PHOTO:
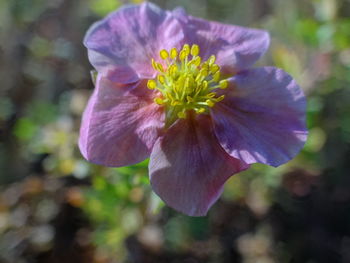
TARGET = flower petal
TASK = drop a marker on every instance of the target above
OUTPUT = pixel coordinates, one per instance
(120, 124)
(188, 167)
(126, 40)
(235, 47)
(262, 118)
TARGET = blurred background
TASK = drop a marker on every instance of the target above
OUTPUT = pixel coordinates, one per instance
(56, 207)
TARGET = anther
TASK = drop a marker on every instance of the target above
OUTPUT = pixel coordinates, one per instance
(159, 101)
(205, 65)
(197, 61)
(200, 110)
(186, 49)
(173, 53)
(172, 69)
(211, 60)
(159, 67)
(154, 64)
(164, 54)
(161, 79)
(223, 84)
(216, 76)
(183, 55)
(214, 68)
(210, 103)
(220, 98)
(151, 84)
(194, 50)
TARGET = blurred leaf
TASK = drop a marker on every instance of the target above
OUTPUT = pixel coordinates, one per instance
(316, 139)
(25, 129)
(342, 34)
(306, 29)
(42, 112)
(103, 7)
(99, 183)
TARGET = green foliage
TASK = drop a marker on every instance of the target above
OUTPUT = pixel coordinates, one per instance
(306, 31)
(25, 129)
(342, 34)
(38, 114)
(103, 7)
(121, 191)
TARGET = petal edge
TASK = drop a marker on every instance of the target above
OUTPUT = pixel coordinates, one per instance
(262, 118)
(188, 167)
(120, 124)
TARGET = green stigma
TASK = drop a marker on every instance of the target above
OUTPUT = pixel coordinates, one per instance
(185, 83)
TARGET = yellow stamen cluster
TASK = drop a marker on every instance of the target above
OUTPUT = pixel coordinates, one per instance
(185, 82)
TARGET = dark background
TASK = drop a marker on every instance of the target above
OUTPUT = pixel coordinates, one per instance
(56, 207)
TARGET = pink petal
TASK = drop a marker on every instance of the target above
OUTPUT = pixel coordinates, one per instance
(125, 41)
(235, 47)
(120, 124)
(262, 118)
(188, 167)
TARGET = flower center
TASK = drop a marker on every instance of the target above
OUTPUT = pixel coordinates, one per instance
(186, 83)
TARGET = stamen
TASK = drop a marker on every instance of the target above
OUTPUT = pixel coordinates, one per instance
(161, 79)
(186, 83)
(159, 67)
(173, 53)
(220, 98)
(151, 84)
(223, 84)
(214, 68)
(211, 60)
(173, 70)
(182, 55)
(164, 54)
(154, 65)
(159, 101)
(216, 76)
(194, 50)
(197, 61)
(210, 103)
(186, 49)
(200, 110)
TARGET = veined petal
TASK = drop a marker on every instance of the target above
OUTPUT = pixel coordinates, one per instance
(120, 124)
(262, 118)
(125, 41)
(188, 167)
(235, 47)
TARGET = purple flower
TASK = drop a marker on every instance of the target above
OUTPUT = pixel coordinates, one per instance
(181, 90)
